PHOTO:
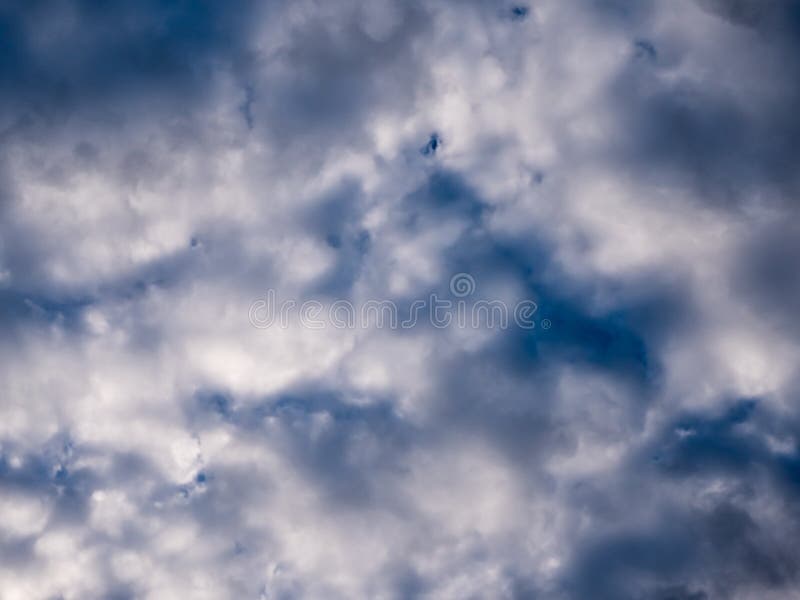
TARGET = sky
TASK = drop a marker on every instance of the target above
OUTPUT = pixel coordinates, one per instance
(173, 170)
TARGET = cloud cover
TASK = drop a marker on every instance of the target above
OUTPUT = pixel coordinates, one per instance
(631, 166)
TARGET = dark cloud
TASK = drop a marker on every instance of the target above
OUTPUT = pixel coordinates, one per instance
(766, 273)
(715, 551)
(335, 220)
(780, 15)
(689, 550)
(712, 136)
(328, 82)
(66, 57)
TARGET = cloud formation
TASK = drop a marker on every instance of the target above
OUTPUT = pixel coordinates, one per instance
(629, 166)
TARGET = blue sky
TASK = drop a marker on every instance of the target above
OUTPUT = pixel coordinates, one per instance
(628, 166)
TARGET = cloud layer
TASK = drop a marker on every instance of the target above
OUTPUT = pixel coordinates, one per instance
(629, 166)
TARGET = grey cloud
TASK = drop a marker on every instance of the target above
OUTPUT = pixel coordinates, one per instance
(166, 162)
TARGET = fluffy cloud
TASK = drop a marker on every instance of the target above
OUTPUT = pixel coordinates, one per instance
(629, 166)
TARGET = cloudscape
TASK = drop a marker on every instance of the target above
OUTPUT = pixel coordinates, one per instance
(398, 299)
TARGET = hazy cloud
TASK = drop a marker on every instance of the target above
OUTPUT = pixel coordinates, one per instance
(626, 167)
